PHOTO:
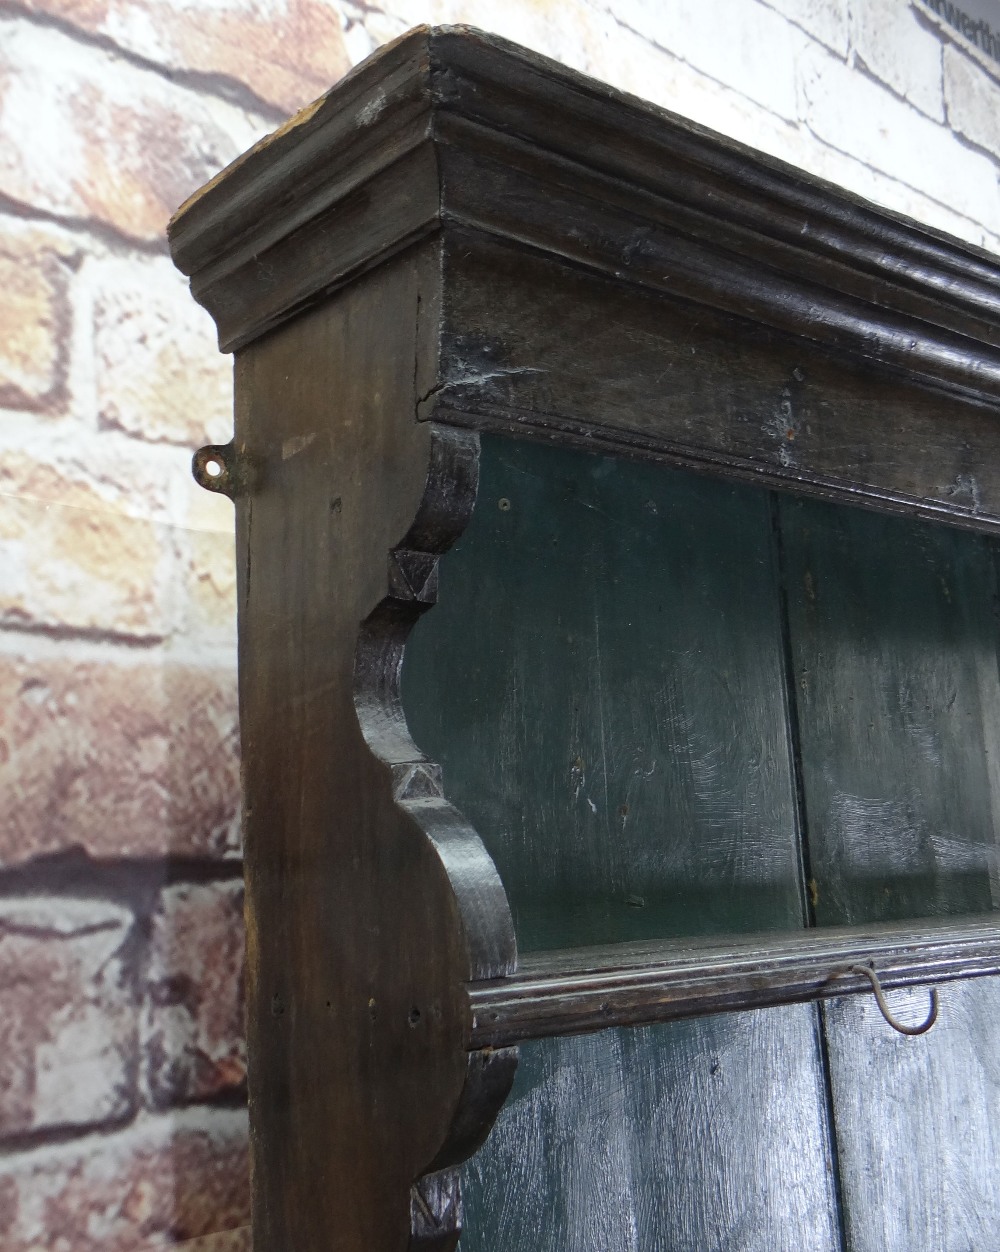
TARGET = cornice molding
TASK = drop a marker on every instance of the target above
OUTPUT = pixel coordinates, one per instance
(450, 127)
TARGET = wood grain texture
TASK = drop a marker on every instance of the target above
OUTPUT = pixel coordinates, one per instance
(916, 1120)
(531, 151)
(706, 1134)
(537, 348)
(369, 899)
(328, 168)
(894, 639)
(614, 727)
(895, 635)
(572, 991)
(840, 323)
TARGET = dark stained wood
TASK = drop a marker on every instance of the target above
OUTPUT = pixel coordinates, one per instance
(760, 238)
(575, 991)
(238, 237)
(797, 223)
(916, 1120)
(369, 900)
(451, 131)
(664, 707)
(510, 189)
(532, 347)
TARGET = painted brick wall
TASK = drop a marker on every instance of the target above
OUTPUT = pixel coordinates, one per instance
(121, 1059)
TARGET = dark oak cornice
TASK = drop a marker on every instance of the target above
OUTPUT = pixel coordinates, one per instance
(449, 126)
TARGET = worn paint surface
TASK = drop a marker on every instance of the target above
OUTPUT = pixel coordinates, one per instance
(629, 671)
(702, 1134)
(894, 644)
(602, 682)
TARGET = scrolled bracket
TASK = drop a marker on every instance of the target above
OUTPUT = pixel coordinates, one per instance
(482, 925)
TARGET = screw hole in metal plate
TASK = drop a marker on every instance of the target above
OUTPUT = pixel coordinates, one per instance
(212, 468)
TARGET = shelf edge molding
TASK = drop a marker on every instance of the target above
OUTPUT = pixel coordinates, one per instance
(577, 992)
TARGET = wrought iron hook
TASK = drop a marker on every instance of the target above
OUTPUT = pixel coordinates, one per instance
(922, 1029)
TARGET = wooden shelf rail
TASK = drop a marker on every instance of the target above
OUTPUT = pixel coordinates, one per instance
(577, 991)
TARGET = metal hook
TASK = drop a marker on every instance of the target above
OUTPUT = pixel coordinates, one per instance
(922, 1029)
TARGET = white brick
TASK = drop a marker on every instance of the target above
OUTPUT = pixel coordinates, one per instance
(848, 111)
(738, 118)
(954, 23)
(972, 98)
(160, 375)
(700, 99)
(748, 47)
(825, 20)
(109, 471)
(897, 48)
(844, 171)
(367, 28)
(633, 64)
(655, 51)
(572, 31)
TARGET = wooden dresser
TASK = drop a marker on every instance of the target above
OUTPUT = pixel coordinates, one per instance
(617, 516)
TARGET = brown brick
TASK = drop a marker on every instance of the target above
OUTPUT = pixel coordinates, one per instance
(160, 374)
(87, 135)
(119, 758)
(77, 565)
(67, 1014)
(34, 317)
(159, 1183)
(287, 52)
(194, 1033)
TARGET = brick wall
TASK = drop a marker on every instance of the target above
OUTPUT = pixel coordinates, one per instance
(121, 1060)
